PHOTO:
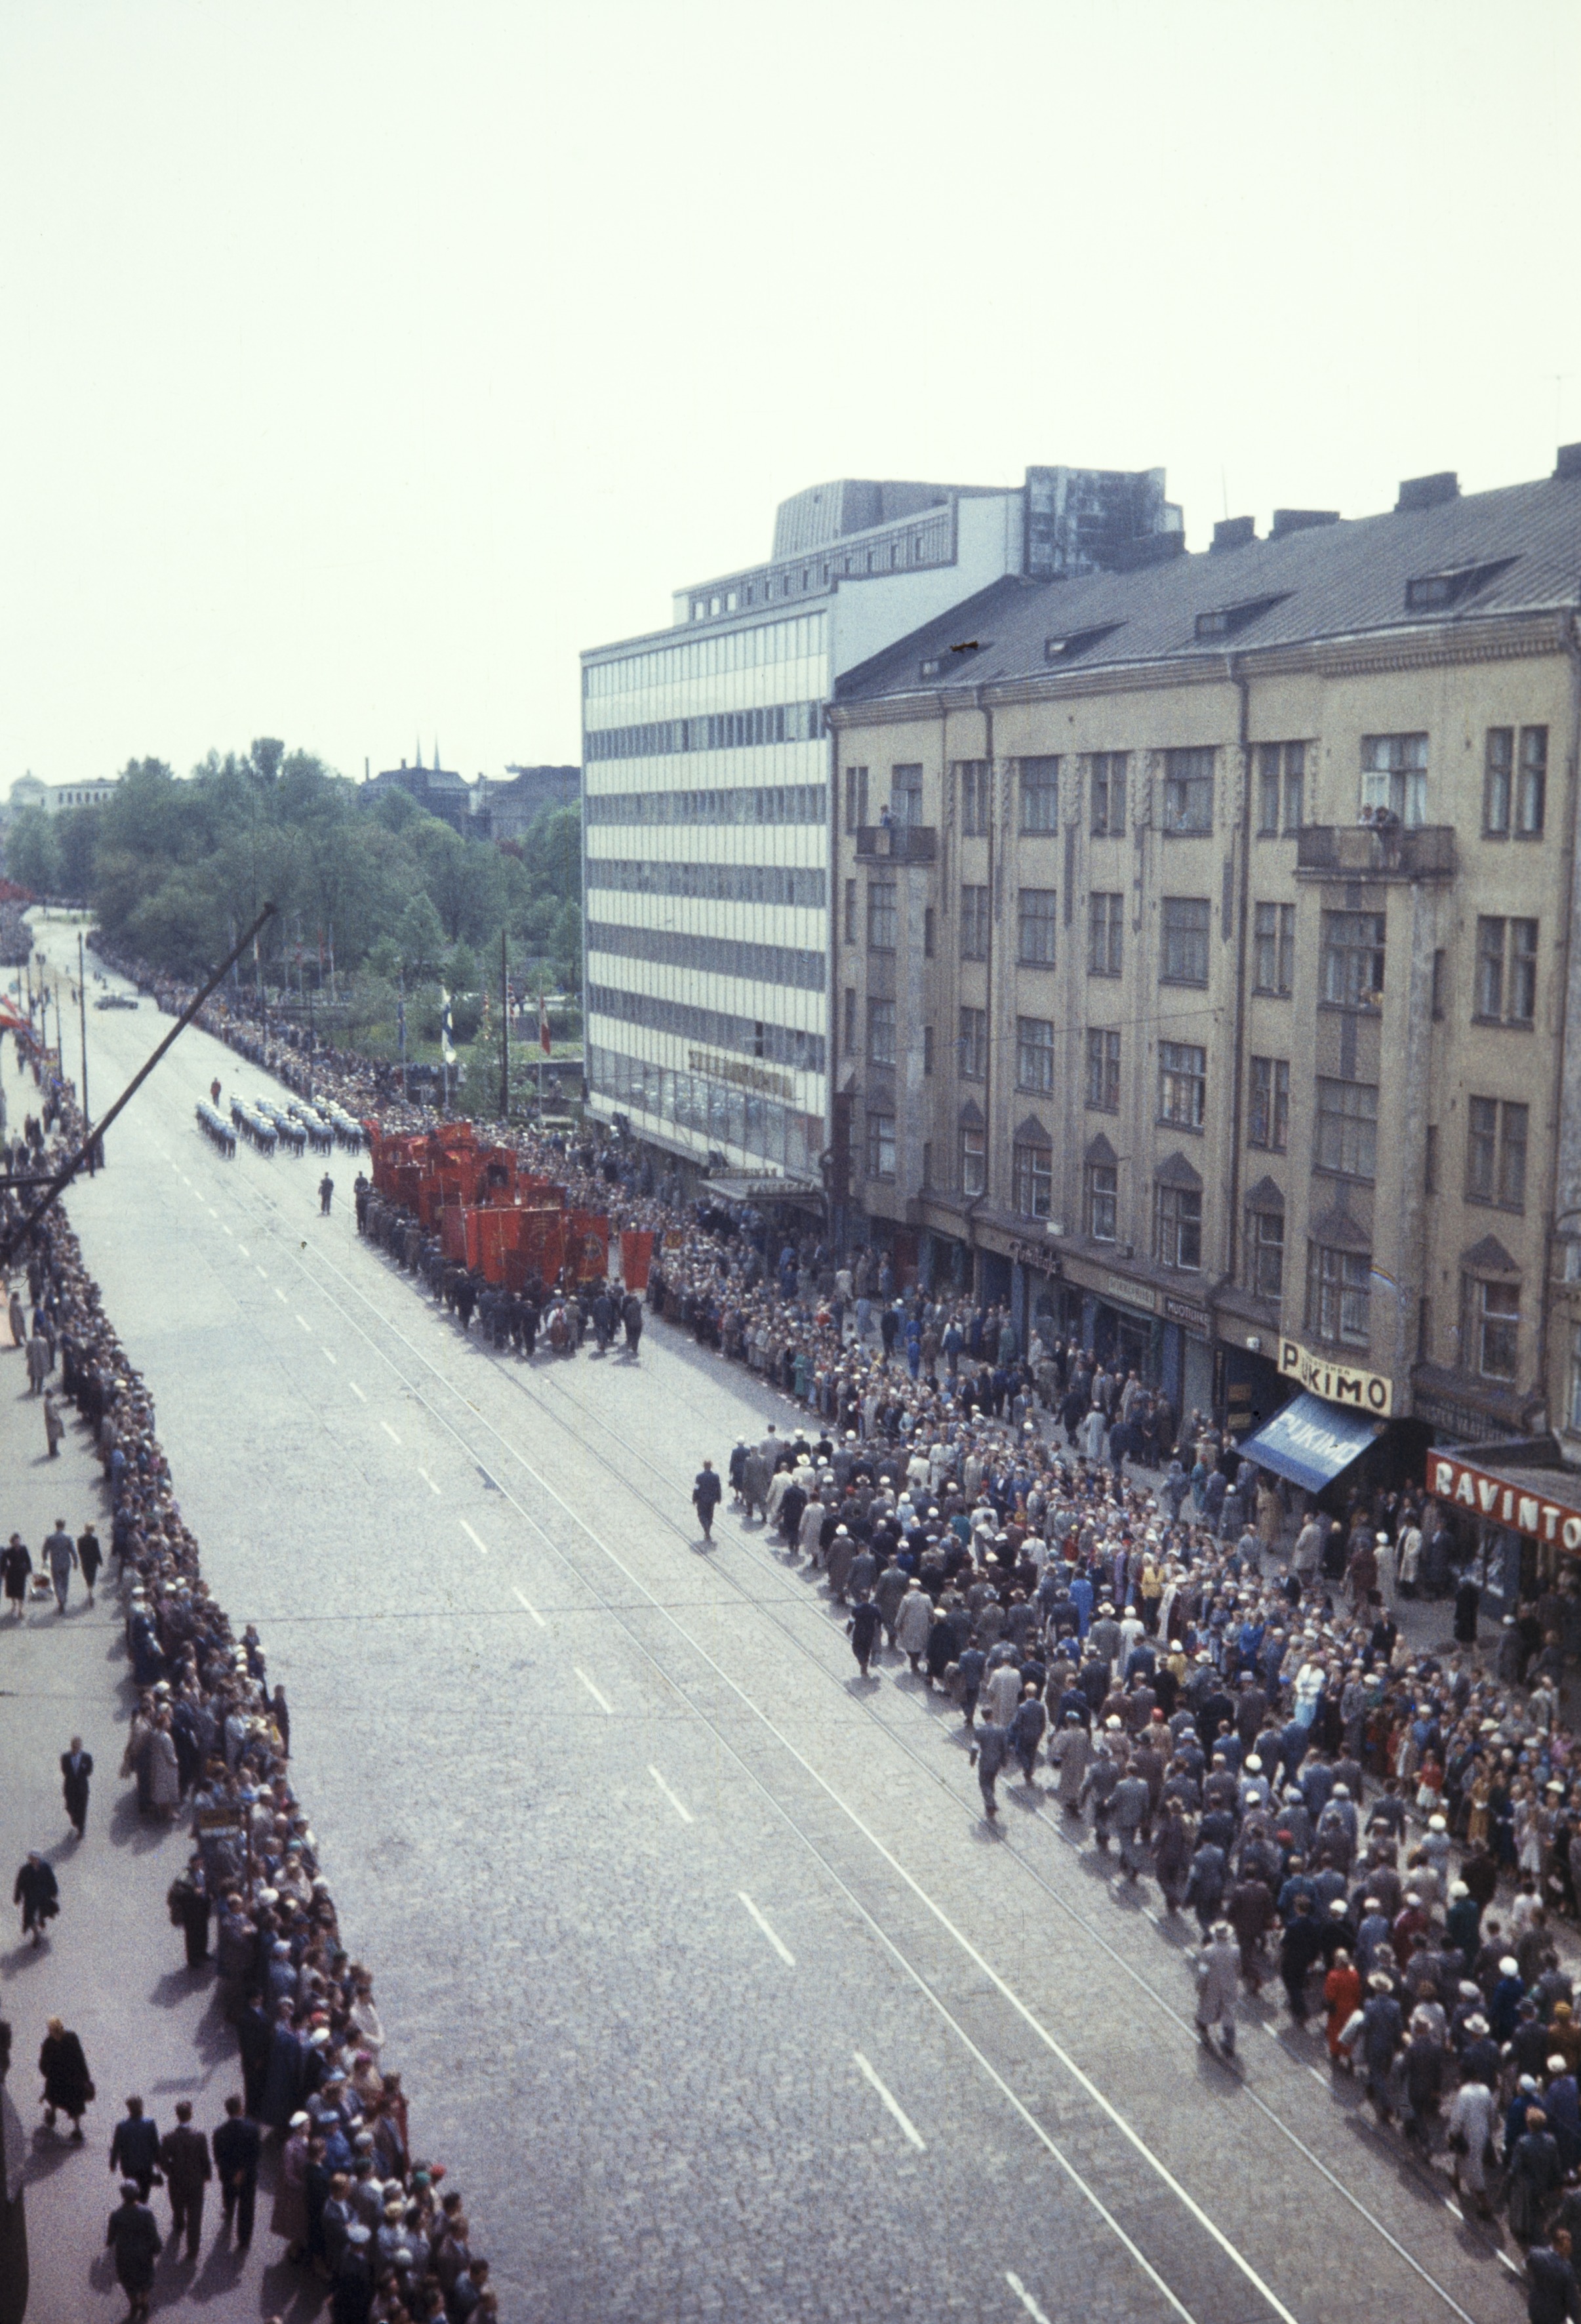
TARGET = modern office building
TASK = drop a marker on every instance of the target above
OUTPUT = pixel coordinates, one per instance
(706, 825)
(1211, 989)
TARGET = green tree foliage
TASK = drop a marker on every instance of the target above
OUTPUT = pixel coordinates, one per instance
(175, 867)
(32, 852)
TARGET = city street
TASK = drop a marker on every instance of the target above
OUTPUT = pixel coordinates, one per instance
(708, 1981)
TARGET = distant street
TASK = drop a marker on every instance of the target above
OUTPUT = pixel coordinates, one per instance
(706, 1977)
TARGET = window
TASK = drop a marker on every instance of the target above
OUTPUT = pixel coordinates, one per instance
(850, 911)
(1336, 1295)
(850, 1020)
(1035, 1053)
(1394, 775)
(1182, 1083)
(1498, 783)
(856, 798)
(974, 924)
(1109, 794)
(1265, 1253)
(1430, 1160)
(1185, 940)
(1282, 775)
(1188, 792)
(974, 1044)
(1178, 1227)
(905, 794)
(1531, 788)
(1576, 1381)
(880, 1032)
(1272, 947)
(928, 936)
(1102, 1197)
(1506, 970)
(1346, 1138)
(1105, 933)
(974, 797)
(974, 1158)
(1441, 971)
(1270, 1113)
(1040, 795)
(880, 1145)
(1033, 1180)
(883, 916)
(1496, 1152)
(1494, 1313)
(1103, 1070)
(927, 1049)
(1038, 911)
(1352, 961)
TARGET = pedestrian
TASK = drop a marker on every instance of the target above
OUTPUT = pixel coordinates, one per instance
(61, 1557)
(15, 1565)
(76, 1767)
(54, 1430)
(67, 2086)
(281, 1714)
(864, 1627)
(326, 1194)
(184, 2160)
(89, 1557)
(134, 2150)
(237, 2143)
(1342, 1993)
(1536, 2174)
(1217, 1974)
(1301, 1947)
(1551, 2291)
(289, 2216)
(38, 1892)
(705, 1497)
(39, 1361)
(187, 1902)
(136, 2242)
(1473, 2112)
(990, 1751)
(631, 1318)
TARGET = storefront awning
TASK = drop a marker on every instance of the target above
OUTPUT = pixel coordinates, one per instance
(1311, 1442)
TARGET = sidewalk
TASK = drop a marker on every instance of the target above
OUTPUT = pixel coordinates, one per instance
(111, 1966)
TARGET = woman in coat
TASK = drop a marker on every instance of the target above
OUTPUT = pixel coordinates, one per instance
(289, 2216)
(164, 1777)
(914, 1620)
(1342, 1992)
(67, 2088)
(1217, 1977)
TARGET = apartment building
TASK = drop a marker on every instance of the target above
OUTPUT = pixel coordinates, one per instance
(1206, 986)
(706, 826)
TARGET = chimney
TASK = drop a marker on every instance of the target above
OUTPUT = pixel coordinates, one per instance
(1427, 492)
(1234, 531)
(1301, 520)
(1567, 466)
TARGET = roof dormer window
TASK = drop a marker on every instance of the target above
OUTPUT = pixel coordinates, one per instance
(1434, 592)
(1224, 621)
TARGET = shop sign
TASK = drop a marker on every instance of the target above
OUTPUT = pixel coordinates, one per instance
(1518, 1507)
(1182, 1311)
(1032, 1254)
(1371, 1392)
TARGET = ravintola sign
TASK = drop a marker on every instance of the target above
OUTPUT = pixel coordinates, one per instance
(1523, 1508)
(1363, 1391)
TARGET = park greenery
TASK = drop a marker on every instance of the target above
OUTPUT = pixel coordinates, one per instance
(174, 869)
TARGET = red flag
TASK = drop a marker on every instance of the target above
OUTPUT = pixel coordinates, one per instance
(543, 1025)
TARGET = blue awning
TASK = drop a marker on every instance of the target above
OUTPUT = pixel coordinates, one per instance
(1310, 1441)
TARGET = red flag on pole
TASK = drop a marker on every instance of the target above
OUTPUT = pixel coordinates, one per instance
(543, 1025)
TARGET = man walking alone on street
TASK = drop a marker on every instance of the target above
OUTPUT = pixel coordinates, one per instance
(76, 1767)
(236, 2143)
(61, 1555)
(705, 1497)
(184, 2159)
(137, 2242)
(326, 1194)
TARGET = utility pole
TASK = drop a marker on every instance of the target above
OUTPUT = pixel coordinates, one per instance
(82, 1012)
(504, 1032)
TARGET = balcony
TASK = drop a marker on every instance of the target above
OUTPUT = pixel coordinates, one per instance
(1355, 851)
(897, 843)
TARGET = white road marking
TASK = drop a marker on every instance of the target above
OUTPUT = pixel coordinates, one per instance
(226, 1229)
(1509, 2262)
(428, 1481)
(390, 1432)
(356, 1391)
(532, 1609)
(893, 2105)
(244, 1249)
(780, 1946)
(1455, 2208)
(1026, 2297)
(476, 1539)
(604, 1703)
(1318, 2075)
(264, 1277)
(278, 1293)
(679, 1806)
(302, 1319)
(330, 1357)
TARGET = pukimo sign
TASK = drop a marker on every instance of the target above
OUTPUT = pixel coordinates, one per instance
(1363, 1391)
(1517, 1506)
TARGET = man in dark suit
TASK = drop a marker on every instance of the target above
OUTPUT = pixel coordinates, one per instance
(184, 2159)
(134, 2150)
(76, 1767)
(236, 2144)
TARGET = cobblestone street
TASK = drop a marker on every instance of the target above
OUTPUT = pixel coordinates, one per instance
(708, 1980)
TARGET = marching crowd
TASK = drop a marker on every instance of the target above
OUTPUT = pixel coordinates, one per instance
(320, 2107)
(1392, 1835)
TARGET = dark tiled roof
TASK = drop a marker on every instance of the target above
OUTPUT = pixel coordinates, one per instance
(1329, 581)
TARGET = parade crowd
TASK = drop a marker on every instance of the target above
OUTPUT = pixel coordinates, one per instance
(321, 2113)
(1211, 1686)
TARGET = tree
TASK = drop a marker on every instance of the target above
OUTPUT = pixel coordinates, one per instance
(32, 852)
(567, 946)
(78, 836)
(420, 936)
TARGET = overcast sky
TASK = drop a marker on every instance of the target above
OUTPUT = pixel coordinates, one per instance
(363, 364)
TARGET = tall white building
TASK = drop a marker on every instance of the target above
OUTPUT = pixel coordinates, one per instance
(706, 820)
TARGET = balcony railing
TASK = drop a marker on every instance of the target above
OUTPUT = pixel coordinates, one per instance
(899, 843)
(1358, 850)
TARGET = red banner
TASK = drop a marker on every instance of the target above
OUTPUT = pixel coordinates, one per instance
(636, 1257)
